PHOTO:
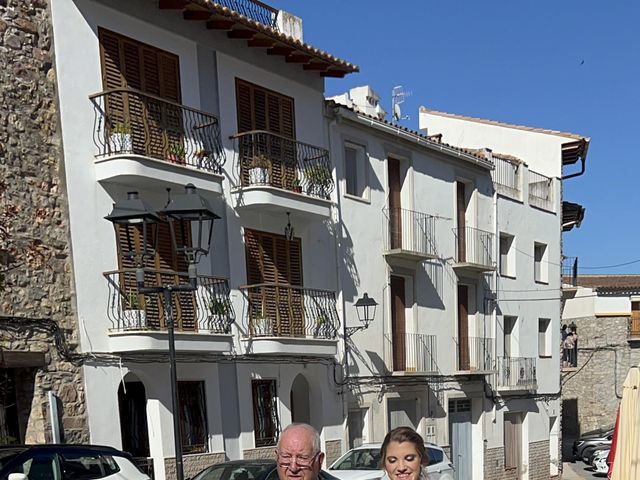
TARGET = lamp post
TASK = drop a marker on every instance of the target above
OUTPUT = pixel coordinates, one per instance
(181, 213)
(366, 310)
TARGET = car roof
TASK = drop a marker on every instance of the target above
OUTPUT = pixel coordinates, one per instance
(66, 447)
(378, 445)
(256, 461)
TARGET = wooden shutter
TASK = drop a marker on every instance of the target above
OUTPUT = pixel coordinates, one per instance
(395, 205)
(461, 219)
(272, 259)
(464, 362)
(398, 328)
(127, 63)
(261, 109)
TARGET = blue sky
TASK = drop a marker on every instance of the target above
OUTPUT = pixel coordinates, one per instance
(566, 65)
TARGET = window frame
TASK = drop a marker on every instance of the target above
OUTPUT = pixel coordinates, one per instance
(272, 415)
(202, 447)
(541, 265)
(508, 267)
(544, 338)
(361, 170)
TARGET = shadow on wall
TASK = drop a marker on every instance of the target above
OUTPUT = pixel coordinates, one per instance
(570, 427)
(434, 286)
(351, 281)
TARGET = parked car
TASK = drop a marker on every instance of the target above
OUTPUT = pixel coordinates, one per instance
(591, 439)
(66, 462)
(600, 461)
(590, 452)
(237, 470)
(363, 463)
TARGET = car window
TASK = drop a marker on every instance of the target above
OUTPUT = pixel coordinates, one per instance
(233, 472)
(40, 467)
(360, 459)
(6, 455)
(435, 455)
(87, 465)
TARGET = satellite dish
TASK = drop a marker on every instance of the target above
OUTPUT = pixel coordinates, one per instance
(397, 114)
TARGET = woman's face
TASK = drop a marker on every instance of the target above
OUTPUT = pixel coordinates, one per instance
(402, 461)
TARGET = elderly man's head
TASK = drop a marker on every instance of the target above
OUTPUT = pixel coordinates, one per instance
(298, 452)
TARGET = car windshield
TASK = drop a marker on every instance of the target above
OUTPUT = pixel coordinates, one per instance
(235, 472)
(359, 459)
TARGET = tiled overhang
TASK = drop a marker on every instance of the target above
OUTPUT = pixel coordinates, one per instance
(220, 18)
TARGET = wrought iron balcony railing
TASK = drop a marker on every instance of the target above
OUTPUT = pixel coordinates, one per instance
(570, 271)
(409, 231)
(474, 354)
(506, 177)
(280, 310)
(266, 158)
(128, 121)
(540, 191)
(516, 372)
(207, 309)
(411, 352)
(474, 246)
(253, 9)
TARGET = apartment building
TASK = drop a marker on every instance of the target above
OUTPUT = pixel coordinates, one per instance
(520, 424)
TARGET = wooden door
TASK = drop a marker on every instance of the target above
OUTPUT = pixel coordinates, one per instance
(463, 328)
(274, 260)
(395, 205)
(261, 109)
(461, 208)
(398, 326)
(156, 127)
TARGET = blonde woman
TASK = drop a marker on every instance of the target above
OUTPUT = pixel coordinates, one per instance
(403, 455)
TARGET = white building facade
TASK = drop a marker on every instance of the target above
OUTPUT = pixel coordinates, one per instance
(154, 96)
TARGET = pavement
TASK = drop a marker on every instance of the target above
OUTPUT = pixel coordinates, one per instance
(577, 471)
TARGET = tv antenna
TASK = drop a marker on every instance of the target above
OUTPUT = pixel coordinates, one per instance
(398, 95)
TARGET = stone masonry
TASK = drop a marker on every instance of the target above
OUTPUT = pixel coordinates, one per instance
(36, 290)
(604, 358)
(539, 467)
(192, 463)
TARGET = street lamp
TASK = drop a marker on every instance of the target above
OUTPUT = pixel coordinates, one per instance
(366, 310)
(182, 212)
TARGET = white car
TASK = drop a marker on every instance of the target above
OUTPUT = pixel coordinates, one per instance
(61, 462)
(363, 463)
(600, 461)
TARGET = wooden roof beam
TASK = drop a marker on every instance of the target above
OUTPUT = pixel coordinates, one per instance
(240, 33)
(219, 24)
(261, 42)
(280, 50)
(196, 15)
(316, 67)
(334, 73)
(172, 4)
(298, 58)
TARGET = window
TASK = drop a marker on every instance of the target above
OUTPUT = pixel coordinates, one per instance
(544, 337)
(357, 422)
(401, 413)
(509, 334)
(355, 170)
(41, 466)
(193, 418)
(265, 414)
(540, 263)
(512, 440)
(507, 255)
(87, 466)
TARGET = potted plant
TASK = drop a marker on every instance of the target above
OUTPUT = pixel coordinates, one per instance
(295, 185)
(319, 180)
(176, 153)
(262, 325)
(120, 139)
(259, 167)
(204, 157)
(133, 313)
(322, 323)
(219, 310)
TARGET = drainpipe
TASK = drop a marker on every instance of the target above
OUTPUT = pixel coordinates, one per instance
(496, 249)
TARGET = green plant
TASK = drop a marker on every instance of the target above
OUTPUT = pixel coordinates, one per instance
(319, 175)
(202, 153)
(218, 307)
(176, 150)
(132, 300)
(121, 128)
(259, 161)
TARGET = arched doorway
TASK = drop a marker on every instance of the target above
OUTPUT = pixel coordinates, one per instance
(132, 402)
(300, 411)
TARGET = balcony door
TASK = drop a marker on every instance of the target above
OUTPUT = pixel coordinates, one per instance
(156, 127)
(395, 203)
(461, 219)
(261, 109)
(274, 277)
(398, 323)
(464, 361)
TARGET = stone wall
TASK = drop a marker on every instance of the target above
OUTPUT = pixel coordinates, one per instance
(267, 453)
(604, 359)
(192, 464)
(538, 463)
(332, 450)
(39, 284)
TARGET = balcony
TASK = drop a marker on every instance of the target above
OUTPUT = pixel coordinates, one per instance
(634, 327)
(516, 374)
(474, 355)
(280, 174)
(569, 273)
(290, 320)
(506, 177)
(253, 9)
(540, 191)
(202, 319)
(410, 353)
(146, 141)
(474, 250)
(409, 235)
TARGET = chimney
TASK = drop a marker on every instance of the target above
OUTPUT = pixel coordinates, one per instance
(289, 25)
